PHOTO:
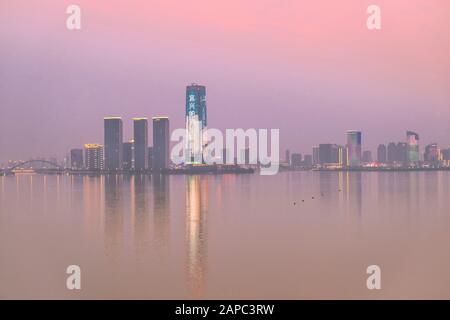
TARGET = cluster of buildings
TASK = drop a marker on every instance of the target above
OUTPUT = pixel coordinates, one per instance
(393, 155)
(117, 155)
(136, 155)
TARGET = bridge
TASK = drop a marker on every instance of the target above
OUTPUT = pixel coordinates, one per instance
(56, 167)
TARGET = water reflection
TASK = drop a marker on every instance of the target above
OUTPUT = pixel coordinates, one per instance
(140, 210)
(161, 210)
(196, 233)
(114, 214)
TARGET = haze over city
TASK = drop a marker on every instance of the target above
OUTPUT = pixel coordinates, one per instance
(313, 70)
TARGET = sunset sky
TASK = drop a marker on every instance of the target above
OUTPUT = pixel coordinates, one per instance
(310, 68)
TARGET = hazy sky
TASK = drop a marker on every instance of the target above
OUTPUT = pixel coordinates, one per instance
(310, 68)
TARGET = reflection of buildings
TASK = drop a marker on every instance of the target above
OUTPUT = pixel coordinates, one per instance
(196, 233)
(140, 209)
(114, 217)
(161, 209)
(352, 192)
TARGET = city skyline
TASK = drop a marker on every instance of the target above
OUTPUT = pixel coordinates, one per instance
(312, 70)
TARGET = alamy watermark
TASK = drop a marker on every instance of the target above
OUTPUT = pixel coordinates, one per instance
(249, 147)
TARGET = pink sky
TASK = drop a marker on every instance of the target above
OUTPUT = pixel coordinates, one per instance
(310, 68)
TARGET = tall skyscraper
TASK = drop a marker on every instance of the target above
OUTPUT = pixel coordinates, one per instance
(196, 123)
(113, 143)
(412, 139)
(382, 153)
(76, 159)
(354, 148)
(161, 143)
(94, 156)
(140, 143)
(288, 156)
(128, 150)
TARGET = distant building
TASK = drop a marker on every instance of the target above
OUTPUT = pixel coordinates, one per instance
(140, 128)
(296, 160)
(445, 156)
(288, 156)
(161, 143)
(76, 159)
(354, 148)
(431, 155)
(402, 152)
(316, 155)
(367, 156)
(307, 161)
(412, 139)
(382, 153)
(128, 150)
(113, 143)
(328, 154)
(94, 156)
(391, 152)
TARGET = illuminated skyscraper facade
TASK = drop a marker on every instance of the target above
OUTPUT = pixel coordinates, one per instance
(113, 143)
(412, 139)
(196, 123)
(93, 156)
(354, 139)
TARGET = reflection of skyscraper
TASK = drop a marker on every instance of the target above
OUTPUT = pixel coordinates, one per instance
(161, 143)
(113, 143)
(354, 141)
(114, 217)
(196, 123)
(412, 139)
(94, 156)
(140, 210)
(161, 209)
(140, 143)
(196, 213)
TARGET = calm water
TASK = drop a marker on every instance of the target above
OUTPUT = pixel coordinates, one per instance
(231, 236)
